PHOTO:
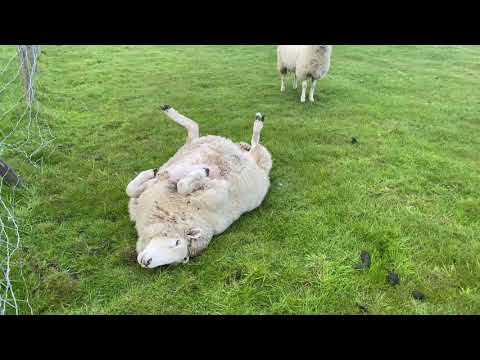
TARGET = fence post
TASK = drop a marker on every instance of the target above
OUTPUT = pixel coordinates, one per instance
(28, 55)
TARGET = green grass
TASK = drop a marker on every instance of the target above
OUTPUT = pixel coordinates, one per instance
(408, 192)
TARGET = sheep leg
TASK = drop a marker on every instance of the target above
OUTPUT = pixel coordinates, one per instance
(295, 82)
(282, 89)
(304, 90)
(257, 151)
(257, 129)
(189, 124)
(193, 181)
(312, 90)
(137, 185)
(245, 146)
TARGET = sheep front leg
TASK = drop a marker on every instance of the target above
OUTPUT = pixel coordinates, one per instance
(312, 91)
(282, 88)
(193, 181)
(295, 82)
(189, 124)
(304, 90)
(137, 185)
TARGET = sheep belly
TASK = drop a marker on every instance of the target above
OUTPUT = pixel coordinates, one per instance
(288, 55)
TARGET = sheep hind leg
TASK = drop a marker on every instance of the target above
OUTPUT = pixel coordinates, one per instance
(295, 82)
(257, 129)
(283, 77)
(261, 156)
(312, 91)
(304, 90)
(189, 124)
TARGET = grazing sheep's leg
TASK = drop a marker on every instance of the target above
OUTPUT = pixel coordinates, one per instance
(304, 90)
(193, 181)
(137, 185)
(295, 82)
(189, 124)
(312, 90)
(282, 89)
(257, 129)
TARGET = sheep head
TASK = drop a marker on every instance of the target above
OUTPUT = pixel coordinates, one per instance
(170, 249)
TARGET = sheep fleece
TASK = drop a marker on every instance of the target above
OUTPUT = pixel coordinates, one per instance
(239, 183)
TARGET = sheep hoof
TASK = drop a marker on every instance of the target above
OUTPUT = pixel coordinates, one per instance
(245, 147)
(166, 107)
(260, 117)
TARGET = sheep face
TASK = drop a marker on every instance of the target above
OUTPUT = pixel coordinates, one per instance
(164, 251)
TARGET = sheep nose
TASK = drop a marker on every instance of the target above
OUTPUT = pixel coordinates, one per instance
(144, 262)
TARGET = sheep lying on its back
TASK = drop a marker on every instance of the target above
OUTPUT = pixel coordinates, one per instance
(206, 186)
(306, 62)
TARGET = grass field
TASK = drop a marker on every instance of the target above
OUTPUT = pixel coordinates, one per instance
(407, 192)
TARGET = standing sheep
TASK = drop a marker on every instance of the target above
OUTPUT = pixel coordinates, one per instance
(306, 62)
(206, 186)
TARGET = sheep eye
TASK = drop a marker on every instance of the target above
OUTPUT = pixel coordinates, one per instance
(177, 243)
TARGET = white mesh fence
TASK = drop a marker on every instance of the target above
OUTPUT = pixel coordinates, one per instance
(23, 139)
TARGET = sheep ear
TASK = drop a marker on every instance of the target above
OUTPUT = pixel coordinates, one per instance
(196, 241)
(194, 234)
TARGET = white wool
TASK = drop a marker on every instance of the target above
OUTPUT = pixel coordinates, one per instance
(178, 211)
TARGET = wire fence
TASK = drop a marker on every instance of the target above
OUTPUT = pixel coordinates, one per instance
(23, 138)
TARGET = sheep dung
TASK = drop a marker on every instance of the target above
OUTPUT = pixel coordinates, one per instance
(393, 278)
(417, 295)
(363, 308)
(366, 261)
